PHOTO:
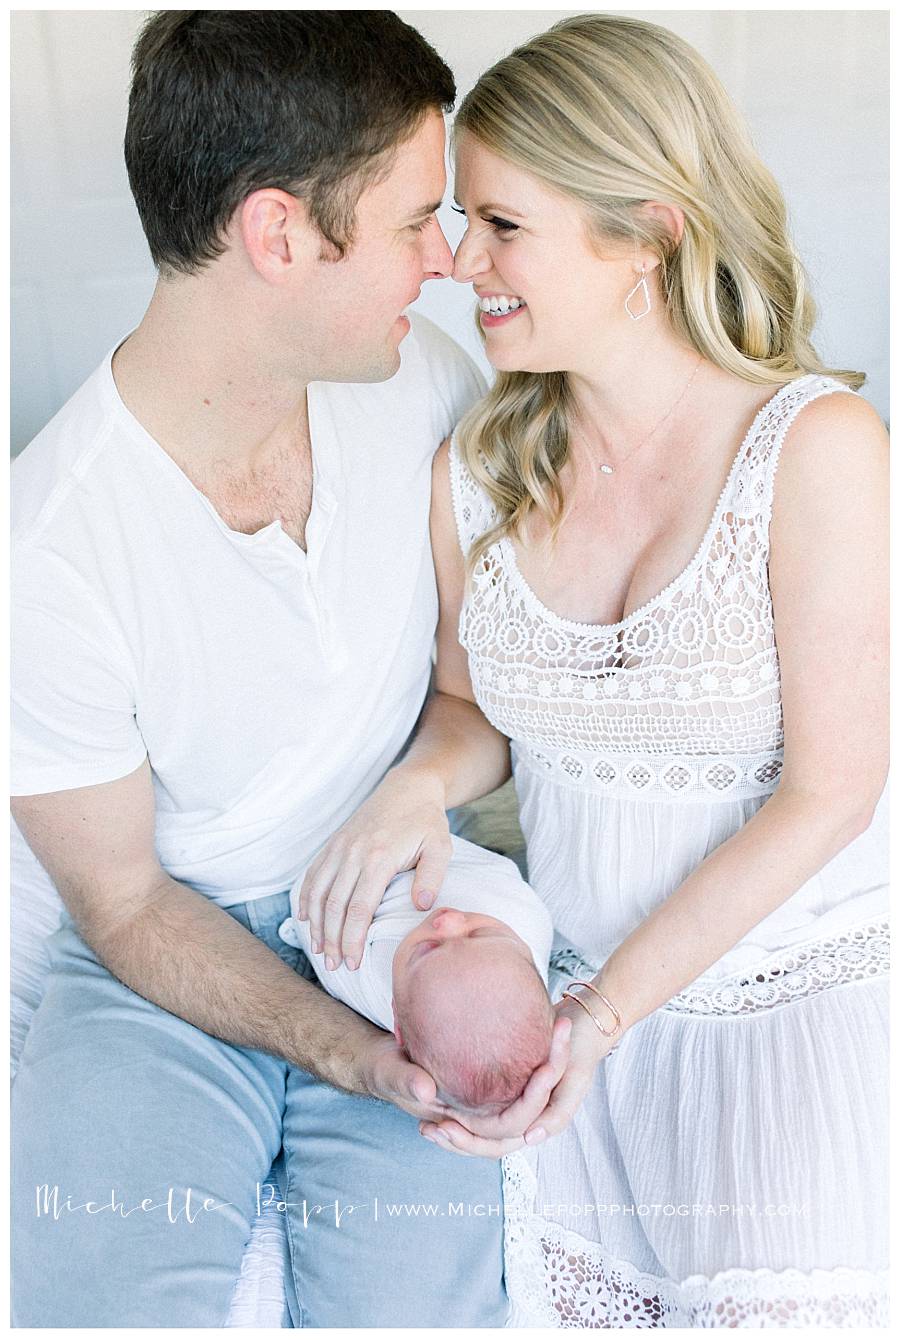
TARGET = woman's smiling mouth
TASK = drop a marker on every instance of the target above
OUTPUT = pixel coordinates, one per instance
(499, 308)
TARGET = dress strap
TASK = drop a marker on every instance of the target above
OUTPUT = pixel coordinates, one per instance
(748, 494)
(754, 483)
(472, 508)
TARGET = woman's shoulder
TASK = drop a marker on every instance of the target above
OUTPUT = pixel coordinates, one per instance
(832, 473)
(447, 466)
(447, 533)
(806, 438)
(440, 473)
(451, 465)
(835, 436)
(456, 492)
(830, 402)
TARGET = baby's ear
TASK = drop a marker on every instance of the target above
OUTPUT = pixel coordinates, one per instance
(397, 1034)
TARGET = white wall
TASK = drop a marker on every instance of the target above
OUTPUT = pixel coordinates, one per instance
(813, 85)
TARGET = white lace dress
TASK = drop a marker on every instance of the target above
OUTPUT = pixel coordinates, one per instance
(729, 1165)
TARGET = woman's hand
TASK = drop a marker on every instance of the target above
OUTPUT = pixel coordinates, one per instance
(587, 1048)
(402, 826)
(562, 1088)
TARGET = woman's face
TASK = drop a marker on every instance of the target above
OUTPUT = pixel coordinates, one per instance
(529, 244)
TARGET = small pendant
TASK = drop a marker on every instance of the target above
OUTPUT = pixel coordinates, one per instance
(606, 469)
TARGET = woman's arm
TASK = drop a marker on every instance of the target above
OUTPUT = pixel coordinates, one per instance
(457, 755)
(456, 747)
(828, 577)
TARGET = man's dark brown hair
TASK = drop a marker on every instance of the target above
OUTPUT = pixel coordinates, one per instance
(226, 102)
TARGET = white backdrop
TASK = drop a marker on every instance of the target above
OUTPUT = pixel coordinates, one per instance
(812, 84)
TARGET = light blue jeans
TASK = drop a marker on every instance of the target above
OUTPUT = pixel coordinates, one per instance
(169, 1133)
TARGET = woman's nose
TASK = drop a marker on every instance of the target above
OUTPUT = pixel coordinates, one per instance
(470, 261)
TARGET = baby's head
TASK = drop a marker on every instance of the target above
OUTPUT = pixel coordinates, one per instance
(470, 1008)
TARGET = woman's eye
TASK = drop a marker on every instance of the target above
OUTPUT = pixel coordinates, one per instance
(502, 225)
(499, 225)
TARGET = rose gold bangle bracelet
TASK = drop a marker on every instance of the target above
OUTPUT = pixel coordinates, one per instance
(607, 1032)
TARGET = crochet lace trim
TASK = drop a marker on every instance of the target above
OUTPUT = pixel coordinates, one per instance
(656, 776)
(557, 1278)
(693, 670)
(787, 975)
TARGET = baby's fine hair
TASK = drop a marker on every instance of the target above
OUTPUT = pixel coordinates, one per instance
(481, 1056)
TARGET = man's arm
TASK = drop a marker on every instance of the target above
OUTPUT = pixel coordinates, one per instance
(176, 948)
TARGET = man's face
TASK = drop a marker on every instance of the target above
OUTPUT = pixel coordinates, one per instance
(352, 318)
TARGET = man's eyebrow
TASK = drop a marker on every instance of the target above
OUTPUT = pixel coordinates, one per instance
(424, 212)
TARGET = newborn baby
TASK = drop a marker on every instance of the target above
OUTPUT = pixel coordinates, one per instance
(462, 987)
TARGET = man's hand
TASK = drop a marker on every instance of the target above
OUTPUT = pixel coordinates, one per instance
(390, 1075)
(402, 826)
(554, 1094)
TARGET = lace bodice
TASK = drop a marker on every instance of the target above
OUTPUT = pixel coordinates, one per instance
(680, 698)
(852, 955)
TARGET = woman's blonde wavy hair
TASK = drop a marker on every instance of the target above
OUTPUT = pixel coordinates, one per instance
(614, 112)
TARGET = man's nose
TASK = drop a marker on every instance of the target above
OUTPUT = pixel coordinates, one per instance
(438, 258)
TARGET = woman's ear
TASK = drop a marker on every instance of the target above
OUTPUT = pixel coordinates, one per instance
(672, 219)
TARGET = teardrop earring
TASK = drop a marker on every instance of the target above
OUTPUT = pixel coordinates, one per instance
(642, 285)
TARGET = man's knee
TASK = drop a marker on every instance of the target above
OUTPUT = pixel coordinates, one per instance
(100, 1270)
(137, 1143)
(385, 1228)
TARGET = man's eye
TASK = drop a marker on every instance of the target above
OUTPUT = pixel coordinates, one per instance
(420, 227)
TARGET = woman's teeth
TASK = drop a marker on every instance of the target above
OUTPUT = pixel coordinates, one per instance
(497, 306)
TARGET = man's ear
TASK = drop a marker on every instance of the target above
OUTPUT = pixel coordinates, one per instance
(277, 234)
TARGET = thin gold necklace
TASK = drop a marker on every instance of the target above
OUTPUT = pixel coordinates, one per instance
(606, 469)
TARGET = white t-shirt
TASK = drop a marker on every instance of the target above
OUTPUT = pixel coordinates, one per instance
(270, 688)
(476, 881)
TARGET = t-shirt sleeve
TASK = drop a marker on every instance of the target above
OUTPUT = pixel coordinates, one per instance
(455, 380)
(468, 385)
(73, 694)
